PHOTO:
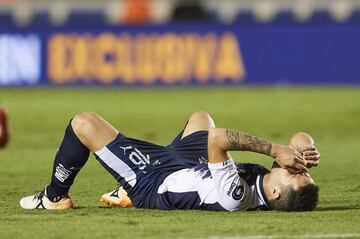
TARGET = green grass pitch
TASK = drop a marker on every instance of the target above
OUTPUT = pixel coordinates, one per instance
(39, 116)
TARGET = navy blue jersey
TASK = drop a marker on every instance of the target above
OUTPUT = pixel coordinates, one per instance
(155, 176)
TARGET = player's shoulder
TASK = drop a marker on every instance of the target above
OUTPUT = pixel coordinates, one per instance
(251, 168)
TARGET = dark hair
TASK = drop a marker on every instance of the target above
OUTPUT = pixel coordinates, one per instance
(303, 199)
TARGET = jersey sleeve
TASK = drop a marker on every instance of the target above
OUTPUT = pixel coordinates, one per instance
(228, 184)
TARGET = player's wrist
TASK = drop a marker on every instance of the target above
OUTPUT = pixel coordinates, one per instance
(274, 150)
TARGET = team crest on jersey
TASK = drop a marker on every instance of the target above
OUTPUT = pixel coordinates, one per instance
(238, 192)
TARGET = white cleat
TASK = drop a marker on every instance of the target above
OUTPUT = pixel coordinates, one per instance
(117, 198)
(41, 201)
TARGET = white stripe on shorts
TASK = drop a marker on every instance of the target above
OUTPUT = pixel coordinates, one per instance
(116, 164)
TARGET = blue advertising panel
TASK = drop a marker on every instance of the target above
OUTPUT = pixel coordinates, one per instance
(181, 54)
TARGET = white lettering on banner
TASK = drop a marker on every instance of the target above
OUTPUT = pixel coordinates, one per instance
(20, 59)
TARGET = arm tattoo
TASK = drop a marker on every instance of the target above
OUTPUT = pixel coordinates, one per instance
(247, 142)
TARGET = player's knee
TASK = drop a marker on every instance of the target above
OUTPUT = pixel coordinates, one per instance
(83, 122)
(200, 115)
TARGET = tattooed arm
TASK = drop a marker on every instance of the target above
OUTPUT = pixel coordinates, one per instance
(221, 141)
(246, 142)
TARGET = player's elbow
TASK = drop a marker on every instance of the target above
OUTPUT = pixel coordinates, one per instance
(301, 140)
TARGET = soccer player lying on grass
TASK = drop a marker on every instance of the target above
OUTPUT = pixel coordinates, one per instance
(195, 171)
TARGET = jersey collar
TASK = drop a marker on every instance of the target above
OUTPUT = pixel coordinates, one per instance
(260, 191)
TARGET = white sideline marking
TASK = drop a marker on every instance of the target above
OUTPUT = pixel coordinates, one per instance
(317, 236)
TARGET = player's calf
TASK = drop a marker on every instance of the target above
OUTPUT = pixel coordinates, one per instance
(86, 131)
(70, 158)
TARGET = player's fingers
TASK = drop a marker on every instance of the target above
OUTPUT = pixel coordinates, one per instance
(310, 152)
(312, 158)
(299, 160)
(298, 155)
(310, 164)
(306, 148)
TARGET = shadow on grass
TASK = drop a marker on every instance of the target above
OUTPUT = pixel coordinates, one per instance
(318, 209)
(338, 208)
(87, 208)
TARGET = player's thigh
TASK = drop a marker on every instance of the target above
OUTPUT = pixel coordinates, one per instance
(93, 131)
(198, 121)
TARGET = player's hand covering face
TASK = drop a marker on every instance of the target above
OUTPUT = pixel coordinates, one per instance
(311, 156)
(295, 161)
(289, 158)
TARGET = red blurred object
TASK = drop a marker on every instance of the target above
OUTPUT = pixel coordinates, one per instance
(137, 12)
(4, 132)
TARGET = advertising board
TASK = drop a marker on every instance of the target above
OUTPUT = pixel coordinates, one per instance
(181, 54)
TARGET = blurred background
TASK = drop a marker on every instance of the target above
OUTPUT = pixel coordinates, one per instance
(145, 66)
(179, 42)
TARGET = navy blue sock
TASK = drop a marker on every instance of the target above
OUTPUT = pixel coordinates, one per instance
(70, 158)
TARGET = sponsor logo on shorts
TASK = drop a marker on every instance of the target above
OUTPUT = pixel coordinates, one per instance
(125, 148)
